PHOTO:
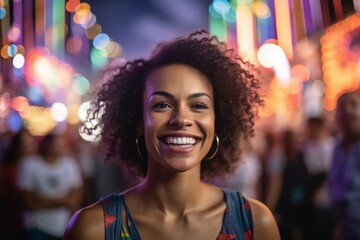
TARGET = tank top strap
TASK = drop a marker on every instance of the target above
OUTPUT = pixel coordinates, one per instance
(113, 206)
(238, 221)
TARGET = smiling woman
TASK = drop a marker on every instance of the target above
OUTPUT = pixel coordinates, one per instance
(176, 119)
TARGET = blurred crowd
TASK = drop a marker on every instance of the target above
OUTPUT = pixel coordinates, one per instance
(308, 177)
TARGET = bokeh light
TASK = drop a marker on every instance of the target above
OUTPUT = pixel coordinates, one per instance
(300, 72)
(73, 117)
(113, 49)
(12, 50)
(4, 51)
(98, 57)
(48, 71)
(318, 88)
(101, 41)
(14, 33)
(59, 112)
(14, 121)
(213, 12)
(20, 104)
(2, 13)
(221, 6)
(18, 61)
(71, 5)
(89, 23)
(21, 49)
(268, 53)
(83, 13)
(80, 85)
(39, 120)
(74, 44)
(271, 55)
(35, 94)
(92, 32)
(261, 9)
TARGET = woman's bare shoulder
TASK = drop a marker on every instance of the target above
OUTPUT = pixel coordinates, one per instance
(265, 226)
(87, 223)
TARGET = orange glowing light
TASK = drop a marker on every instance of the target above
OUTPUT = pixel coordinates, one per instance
(294, 87)
(20, 103)
(71, 5)
(261, 9)
(39, 121)
(82, 6)
(64, 74)
(340, 71)
(4, 51)
(283, 26)
(113, 49)
(92, 32)
(300, 72)
(82, 16)
(245, 27)
(73, 117)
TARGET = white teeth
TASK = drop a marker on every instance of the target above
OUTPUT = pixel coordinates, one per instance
(180, 140)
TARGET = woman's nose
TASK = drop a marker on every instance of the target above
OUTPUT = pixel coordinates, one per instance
(180, 118)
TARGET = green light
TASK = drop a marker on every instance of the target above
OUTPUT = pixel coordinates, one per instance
(218, 27)
(81, 85)
(98, 58)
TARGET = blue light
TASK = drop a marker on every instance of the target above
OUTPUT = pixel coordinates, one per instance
(221, 6)
(18, 72)
(14, 121)
(213, 12)
(2, 13)
(34, 94)
(101, 40)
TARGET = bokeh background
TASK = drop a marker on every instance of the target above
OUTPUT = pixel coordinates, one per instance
(307, 51)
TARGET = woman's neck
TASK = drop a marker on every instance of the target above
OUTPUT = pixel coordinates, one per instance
(176, 193)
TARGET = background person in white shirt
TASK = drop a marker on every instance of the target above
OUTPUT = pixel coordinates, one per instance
(51, 184)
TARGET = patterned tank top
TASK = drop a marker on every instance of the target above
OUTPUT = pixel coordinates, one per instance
(237, 223)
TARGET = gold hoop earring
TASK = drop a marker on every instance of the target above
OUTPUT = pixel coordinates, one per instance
(138, 148)
(216, 138)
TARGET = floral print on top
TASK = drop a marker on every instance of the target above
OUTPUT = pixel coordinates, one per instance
(237, 224)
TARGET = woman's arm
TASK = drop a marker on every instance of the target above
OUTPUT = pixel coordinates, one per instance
(86, 224)
(265, 226)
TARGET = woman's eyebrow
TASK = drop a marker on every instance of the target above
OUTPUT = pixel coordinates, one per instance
(200, 94)
(162, 93)
(169, 95)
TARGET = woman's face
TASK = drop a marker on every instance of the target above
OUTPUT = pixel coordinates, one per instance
(179, 117)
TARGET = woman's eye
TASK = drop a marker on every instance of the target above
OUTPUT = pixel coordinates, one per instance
(200, 106)
(161, 106)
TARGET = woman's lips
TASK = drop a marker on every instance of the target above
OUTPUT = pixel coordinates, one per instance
(179, 144)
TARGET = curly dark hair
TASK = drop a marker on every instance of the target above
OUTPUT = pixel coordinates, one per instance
(119, 101)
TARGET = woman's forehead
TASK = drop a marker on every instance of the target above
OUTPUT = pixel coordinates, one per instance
(177, 77)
